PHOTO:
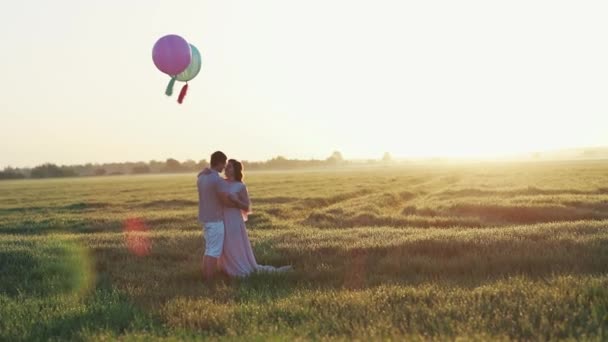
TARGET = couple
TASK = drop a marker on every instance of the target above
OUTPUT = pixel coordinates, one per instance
(222, 210)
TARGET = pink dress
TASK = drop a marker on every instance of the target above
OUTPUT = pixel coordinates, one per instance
(237, 258)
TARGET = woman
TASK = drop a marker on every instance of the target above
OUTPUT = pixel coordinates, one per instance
(237, 258)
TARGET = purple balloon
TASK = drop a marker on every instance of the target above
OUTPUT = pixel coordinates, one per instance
(171, 54)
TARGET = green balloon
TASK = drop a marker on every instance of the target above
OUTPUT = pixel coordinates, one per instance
(192, 69)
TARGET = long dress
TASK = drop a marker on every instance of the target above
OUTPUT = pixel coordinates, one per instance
(237, 258)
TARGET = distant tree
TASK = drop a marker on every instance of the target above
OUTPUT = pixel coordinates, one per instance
(335, 158)
(172, 165)
(11, 173)
(279, 162)
(51, 170)
(189, 165)
(387, 158)
(68, 171)
(202, 164)
(156, 166)
(99, 172)
(88, 169)
(140, 169)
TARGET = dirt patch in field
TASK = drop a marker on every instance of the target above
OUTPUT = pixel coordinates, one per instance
(86, 205)
(274, 200)
(175, 203)
(78, 206)
(529, 191)
(341, 219)
(524, 214)
(317, 202)
(414, 210)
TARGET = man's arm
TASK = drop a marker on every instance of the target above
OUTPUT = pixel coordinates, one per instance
(232, 201)
(218, 187)
(205, 172)
(239, 202)
(226, 198)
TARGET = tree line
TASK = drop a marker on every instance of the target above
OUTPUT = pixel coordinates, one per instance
(49, 170)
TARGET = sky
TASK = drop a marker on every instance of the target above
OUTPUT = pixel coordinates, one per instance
(302, 79)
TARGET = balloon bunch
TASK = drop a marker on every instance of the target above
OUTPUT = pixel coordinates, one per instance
(174, 56)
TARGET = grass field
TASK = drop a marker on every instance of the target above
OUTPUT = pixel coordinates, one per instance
(510, 251)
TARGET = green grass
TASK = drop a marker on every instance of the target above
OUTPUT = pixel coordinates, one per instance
(478, 252)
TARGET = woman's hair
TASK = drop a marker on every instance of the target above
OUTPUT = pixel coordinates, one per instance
(237, 166)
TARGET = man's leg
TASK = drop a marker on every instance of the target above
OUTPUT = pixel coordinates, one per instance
(209, 267)
(214, 243)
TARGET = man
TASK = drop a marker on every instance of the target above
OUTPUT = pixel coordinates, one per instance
(211, 212)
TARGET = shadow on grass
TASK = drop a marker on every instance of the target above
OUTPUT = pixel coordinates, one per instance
(42, 269)
(530, 214)
(169, 204)
(46, 293)
(459, 215)
(529, 191)
(133, 292)
(339, 218)
(73, 207)
(173, 267)
(42, 226)
(19, 273)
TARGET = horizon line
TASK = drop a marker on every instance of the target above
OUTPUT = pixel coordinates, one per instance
(498, 157)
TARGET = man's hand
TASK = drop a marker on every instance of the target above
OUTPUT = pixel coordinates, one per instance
(225, 198)
(237, 201)
(233, 201)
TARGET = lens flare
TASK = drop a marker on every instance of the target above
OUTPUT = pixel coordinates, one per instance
(45, 266)
(136, 236)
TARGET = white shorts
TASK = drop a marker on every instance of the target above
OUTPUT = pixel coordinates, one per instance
(214, 238)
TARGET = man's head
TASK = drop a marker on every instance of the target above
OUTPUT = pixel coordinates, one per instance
(218, 161)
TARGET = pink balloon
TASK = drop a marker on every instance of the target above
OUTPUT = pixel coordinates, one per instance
(171, 54)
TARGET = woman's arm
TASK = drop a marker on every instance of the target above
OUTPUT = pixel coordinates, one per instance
(244, 195)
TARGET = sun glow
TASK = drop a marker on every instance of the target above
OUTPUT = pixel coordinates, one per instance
(302, 79)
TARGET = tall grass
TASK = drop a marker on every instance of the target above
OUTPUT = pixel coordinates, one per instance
(479, 252)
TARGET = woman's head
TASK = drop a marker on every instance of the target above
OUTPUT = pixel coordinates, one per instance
(234, 170)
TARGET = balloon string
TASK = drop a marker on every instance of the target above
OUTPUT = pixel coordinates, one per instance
(169, 90)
